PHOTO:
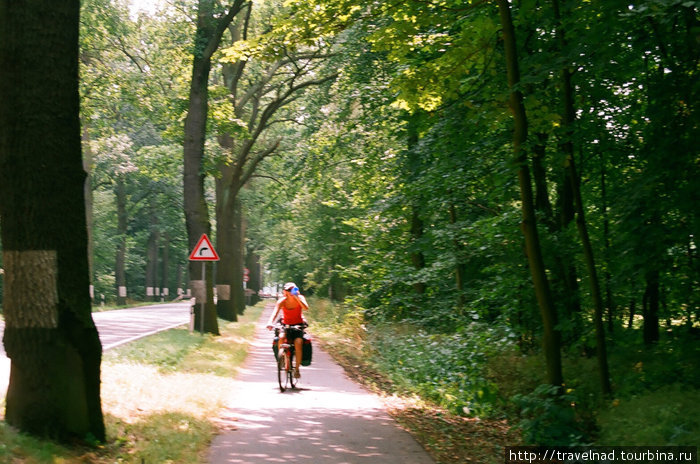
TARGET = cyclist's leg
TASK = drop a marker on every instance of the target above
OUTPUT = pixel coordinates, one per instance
(282, 352)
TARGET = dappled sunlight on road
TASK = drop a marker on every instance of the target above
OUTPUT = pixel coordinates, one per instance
(325, 436)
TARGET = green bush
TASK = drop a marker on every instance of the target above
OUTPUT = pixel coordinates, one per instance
(549, 417)
(448, 369)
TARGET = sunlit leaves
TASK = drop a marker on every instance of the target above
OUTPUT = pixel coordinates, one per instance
(114, 155)
(222, 114)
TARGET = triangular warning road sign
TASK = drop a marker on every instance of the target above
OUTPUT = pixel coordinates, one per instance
(204, 251)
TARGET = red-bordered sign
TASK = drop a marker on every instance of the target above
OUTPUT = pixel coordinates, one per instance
(204, 251)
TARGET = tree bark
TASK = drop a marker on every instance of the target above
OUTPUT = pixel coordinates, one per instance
(120, 260)
(630, 320)
(609, 303)
(651, 308)
(165, 264)
(459, 266)
(89, 202)
(50, 337)
(227, 242)
(152, 256)
(254, 284)
(539, 174)
(551, 337)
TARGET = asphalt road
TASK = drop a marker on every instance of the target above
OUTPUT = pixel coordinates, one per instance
(328, 419)
(124, 325)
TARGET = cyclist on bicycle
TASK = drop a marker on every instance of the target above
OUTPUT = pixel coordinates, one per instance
(292, 305)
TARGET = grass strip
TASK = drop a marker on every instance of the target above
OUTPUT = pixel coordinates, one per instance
(161, 397)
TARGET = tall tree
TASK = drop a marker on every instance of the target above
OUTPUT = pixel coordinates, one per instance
(263, 74)
(568, 120)
(529, 223)
(50, 336)
(113, 165)
(211, 24)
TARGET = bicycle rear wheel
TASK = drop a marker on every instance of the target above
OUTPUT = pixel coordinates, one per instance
(282, 374)
(290, 375)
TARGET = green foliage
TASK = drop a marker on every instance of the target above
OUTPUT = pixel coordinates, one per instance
(446, 369)
(675, 359)
(669, 415)
(549, 417)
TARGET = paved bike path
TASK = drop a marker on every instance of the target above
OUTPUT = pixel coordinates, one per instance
(328, 419)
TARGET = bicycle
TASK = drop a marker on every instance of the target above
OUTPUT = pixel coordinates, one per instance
(286, 359)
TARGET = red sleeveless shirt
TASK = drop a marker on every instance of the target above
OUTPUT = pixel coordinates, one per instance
(291, 311)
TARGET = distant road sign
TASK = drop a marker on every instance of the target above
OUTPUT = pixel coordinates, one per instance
(204, 251)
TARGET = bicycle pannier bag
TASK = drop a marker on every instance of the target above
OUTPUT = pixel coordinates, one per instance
(306, 350)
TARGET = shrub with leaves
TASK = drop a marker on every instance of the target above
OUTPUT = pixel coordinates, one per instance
(445, 368)
(548, 417)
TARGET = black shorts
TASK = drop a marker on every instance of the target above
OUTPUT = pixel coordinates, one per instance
(291, 334)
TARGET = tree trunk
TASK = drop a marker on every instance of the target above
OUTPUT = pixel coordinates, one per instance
(539, 175)
(196, 212)
(606, 240)
(252, 261)
(152, 257)
(237, 286)
(630, 321)
(120, 262)
(651, 308)
(569, 277)
(165, 263)
(564, 284)
(692, 306)
(89, 202)
(50, 337)
(416, 223)
(459, 266)
(573, 185)
(225, 244)
(529, 226)
(179, 280)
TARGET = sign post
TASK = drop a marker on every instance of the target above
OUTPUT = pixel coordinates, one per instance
(203, 251)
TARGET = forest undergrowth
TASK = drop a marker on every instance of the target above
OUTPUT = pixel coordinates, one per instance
(468, 394)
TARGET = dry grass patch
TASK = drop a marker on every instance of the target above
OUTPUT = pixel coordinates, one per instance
(133, 391)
